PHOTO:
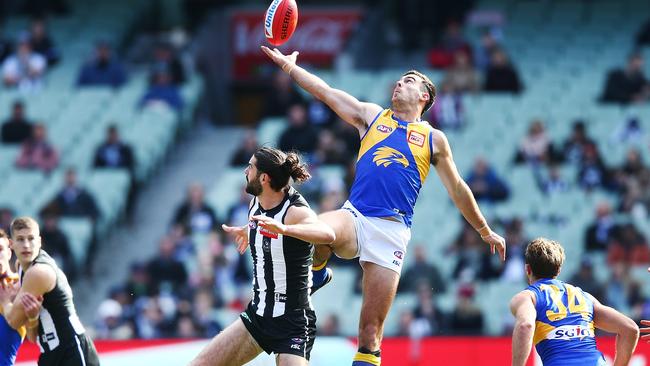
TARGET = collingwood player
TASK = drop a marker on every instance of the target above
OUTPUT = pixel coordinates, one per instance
(58, 331)
(282, 228)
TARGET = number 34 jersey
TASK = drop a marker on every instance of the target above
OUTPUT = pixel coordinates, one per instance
(564, 328)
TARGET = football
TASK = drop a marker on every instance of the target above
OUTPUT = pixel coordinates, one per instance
(280, 21)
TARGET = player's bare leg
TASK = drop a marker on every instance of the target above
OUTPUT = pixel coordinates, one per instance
(345, 246)
(286, 359)
(232, 347)
(379, 288)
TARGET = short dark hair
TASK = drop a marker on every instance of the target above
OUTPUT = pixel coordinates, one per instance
(3, 234)
(428, 85)
(545, 257)
(280, 167)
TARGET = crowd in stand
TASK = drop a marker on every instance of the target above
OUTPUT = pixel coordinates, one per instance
(198, 270)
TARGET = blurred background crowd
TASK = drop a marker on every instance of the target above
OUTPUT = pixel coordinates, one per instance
(129, 139)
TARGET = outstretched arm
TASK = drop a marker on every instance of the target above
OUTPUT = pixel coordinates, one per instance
(462, 196)
(351, 110)
(301, 223)
(626, 330)
(523, 308)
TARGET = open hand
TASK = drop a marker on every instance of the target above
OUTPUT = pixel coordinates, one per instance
(497, 243)
(240, 234)
(286, 62)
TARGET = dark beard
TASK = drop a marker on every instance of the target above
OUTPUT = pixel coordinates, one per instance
(254, 187)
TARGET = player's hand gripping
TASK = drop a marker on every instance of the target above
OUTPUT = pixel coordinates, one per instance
(286, 62)
(240, 233)
(31, 304)
(645, 331)
(496, 243)
(270, 224)
(8, 291)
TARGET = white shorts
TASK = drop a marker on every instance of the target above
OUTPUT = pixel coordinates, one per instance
(380, 241)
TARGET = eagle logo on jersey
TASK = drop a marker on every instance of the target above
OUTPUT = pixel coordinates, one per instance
(387, 155)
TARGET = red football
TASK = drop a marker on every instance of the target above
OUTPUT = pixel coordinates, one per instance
(280, 21)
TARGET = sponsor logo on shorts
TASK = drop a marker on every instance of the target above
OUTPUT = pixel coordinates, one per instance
(384, 129)
(295, 346)
(280, 297)
(397, 263)
(297, 340)
(416, 138)
(567, 332)
(399, 254)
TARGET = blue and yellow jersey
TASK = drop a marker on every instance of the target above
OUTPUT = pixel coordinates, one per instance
(394, 160)
(564, 328)
(10, 339)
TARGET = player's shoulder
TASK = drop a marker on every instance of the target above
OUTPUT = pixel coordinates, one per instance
(524, 296)
(40, 271)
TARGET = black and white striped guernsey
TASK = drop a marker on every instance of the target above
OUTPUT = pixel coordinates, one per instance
(281, 264)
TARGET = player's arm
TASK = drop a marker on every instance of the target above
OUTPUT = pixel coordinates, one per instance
(32, 306)
(460, 193)
(349, 108)
(522, 307)
(301, 223)
(38, 280)
(626, 330)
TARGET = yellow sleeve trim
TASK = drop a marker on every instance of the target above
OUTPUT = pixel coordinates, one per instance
(371, 359)
(22, 331)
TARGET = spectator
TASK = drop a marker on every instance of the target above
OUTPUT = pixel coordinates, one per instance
(633, 167)
(405, 324)
(194, 214)
(617, 288)
(428, 310)
(203, 306)
(451, 43)
(110, 322)
(462, 77)
(246, 149)
(114, 153)
(483, 53)
(162, 92)
(24, 69)
(330, 327)
(586, 280)
(485, 184)
(592, 172)
(73, 200)
(473, 258)
(513, 268)
(447, 112)
(602, 230)
(186, 327)
(17, 128)
(574, 146)
(102, 70)
(422, 273)
(166, 272)
(466, 318)
(329, 150)
(629, 132)
(37, 152)
(138, 285)
(643, 37)
(57, 245)
(300, 135)
(349, 135)
(281, 96)
(238, 213)
(501, 76)
(166, 61)
(536, 146)
(41, 42)
(6, 216)
(627, 85)
(5, 47)
(629, 247)
(553, 183)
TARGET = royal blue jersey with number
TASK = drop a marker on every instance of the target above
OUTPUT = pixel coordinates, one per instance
(564, 327)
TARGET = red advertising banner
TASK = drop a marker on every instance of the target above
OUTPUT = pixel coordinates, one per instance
(319, 37)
